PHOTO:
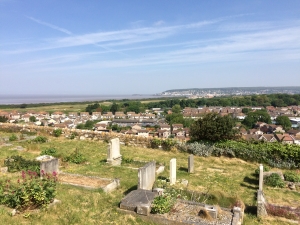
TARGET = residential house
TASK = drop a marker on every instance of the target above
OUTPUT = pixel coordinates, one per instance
(267, 138)
(120, 115)
(165, 127)
(284, 138)
(136, 127)
(84, 115)
(294, 132)
(177, 126)
(73, 115)
(58, 115)
(143, 133)
(164, 133)
(108, 116)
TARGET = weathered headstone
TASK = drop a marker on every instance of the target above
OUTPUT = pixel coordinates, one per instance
(191, 164)
(146, 176)
(113, 152)
(261, 177)
(48, 165)
(172, 171)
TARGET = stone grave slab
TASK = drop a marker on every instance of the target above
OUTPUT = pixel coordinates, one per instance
(138, 201)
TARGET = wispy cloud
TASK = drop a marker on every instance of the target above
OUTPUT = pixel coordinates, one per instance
(50, 25)
(263, 41)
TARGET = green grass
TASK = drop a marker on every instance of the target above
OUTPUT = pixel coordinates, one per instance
(226, 179)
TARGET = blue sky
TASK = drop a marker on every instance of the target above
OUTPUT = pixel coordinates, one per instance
(145, 47)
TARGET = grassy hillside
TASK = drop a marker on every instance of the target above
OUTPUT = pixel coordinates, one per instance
(225, 179)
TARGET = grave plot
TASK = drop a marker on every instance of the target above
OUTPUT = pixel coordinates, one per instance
(165, 206)
(89, 182)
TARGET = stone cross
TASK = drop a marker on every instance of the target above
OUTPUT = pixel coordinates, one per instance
(191, 164)
(172, 171)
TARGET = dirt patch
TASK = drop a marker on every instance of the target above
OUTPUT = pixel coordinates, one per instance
(80, 180)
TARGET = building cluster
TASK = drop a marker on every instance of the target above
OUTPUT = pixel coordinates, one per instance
(151, 123)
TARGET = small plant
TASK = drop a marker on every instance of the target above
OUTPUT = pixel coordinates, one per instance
(17, 163)
(40, 139)
(75, 157)
(274, 180)
(49, 151)
(73, 135)
(292, 176)
(57, 132)
(162, 204)
(29, 192)
(13, 137)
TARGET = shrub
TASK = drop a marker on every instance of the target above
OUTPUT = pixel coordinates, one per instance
(73, 135)
(274, 180)
(17, 163)
(75, 157)
(49, 151)
(162, 204)
(292, 176)
(200, 149)
(29, 192)
(40, 139)
(13, 137)
(57, 132)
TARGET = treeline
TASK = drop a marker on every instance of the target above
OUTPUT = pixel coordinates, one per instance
(276, 100)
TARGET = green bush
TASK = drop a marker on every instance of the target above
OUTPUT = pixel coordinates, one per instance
(57, 132)
(17, 163)
(274, 180)
(40, 139)
(292, 176)
(13, 137)
(29, 192)
(49, 151)
(162, 204)
(75, 157)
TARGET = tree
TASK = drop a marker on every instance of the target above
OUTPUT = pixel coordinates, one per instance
(213, 127)
(3, 119)
(32, 119)
(114, 108)
(256, 116)
(245, 110)
(176, 109)
(284, 121)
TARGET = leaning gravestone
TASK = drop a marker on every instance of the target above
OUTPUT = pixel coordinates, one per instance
(146, 176)
(113, 152)
(48, 165)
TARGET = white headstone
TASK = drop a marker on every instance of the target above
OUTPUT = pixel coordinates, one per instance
(261, 177)
(173, 171)
(113, 152)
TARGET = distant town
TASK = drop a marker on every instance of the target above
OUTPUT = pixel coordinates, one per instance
(217, 92)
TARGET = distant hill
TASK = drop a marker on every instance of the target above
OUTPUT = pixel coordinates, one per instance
(232, 91)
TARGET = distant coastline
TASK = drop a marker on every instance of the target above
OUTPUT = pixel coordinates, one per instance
(32, 99)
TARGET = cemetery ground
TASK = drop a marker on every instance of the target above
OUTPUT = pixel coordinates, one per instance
(226, 179)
